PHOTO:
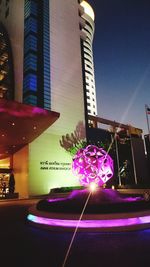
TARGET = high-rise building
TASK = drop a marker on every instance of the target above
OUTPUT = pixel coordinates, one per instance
(87, 33)
(32, 45)
(46, 62)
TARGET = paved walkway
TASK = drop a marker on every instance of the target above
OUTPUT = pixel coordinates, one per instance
(22, 245)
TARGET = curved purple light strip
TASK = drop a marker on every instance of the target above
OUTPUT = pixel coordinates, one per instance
(90, 223)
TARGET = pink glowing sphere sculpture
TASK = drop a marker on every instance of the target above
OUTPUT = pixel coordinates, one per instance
(92, 165)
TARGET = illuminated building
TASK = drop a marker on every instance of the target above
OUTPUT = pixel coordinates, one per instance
(126, 146)
(46, 69)
(43, 65)
(87, 32)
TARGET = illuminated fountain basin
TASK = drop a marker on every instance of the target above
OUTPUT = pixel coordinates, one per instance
(93, 208)
(107, 210)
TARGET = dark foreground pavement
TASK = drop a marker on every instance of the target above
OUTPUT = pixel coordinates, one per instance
(22, 245)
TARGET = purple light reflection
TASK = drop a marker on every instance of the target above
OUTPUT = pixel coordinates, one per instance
(90, 223)
(110, 194)
(55, 199)
(20, 110)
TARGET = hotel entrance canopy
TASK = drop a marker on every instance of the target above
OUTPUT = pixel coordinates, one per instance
(20, 124)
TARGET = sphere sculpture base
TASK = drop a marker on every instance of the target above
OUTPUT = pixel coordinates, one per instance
(107, 210)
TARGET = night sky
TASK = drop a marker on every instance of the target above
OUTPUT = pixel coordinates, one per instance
(122, 60)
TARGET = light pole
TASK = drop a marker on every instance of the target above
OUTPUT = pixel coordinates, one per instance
(147, 111)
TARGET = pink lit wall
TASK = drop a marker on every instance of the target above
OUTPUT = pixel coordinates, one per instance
(49, 163)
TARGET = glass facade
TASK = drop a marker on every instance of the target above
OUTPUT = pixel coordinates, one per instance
(36, 86)
(6, 66)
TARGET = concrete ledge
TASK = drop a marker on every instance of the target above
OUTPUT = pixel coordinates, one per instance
(9, 195)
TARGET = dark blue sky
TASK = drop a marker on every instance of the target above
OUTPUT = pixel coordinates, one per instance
(122, 59)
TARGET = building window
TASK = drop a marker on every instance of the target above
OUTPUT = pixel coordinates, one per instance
(30, 82)
(6, 66)
(86, 59)
(30, 25)
(30, 62)
(85, 52)
(30, 43)
(89, 25)
(87, 71)
(31, 99)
